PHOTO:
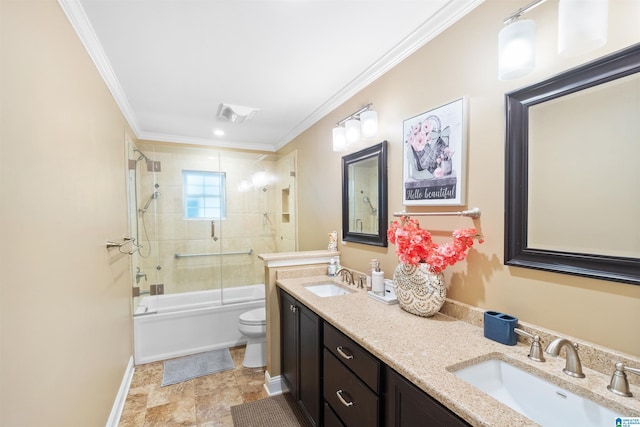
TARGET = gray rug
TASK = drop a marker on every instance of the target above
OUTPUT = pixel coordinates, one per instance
(197, 365)
(275, 411)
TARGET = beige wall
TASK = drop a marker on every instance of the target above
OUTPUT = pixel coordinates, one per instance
(462, 61)
(65, 299)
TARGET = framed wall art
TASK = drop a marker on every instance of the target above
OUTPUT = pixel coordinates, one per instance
(434, 157)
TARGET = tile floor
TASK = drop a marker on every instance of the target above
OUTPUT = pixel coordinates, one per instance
(200, 402)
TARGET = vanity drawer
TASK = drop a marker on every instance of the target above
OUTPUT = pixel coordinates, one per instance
(330, 417)
(353, 356)
(350, 398)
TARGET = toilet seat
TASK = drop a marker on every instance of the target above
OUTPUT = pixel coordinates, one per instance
(257, 317)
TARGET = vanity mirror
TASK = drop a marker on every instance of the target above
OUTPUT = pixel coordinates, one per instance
(364, 196)
(572, 175)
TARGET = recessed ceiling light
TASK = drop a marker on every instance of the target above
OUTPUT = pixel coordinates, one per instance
(218, 132)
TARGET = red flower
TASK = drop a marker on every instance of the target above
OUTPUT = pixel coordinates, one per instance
(414, 245)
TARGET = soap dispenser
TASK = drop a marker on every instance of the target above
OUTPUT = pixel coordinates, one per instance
(377, 281)
(373, 265)
(331, 270)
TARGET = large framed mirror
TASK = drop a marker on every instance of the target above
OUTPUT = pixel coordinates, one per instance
(364, 196)
(572, 180)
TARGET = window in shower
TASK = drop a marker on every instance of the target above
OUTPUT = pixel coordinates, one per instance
(204, 195)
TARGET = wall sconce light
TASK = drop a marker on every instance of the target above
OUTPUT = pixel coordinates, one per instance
(517, 44)
(360, 124)
(582, 26)
(339, 139)
(517, 49)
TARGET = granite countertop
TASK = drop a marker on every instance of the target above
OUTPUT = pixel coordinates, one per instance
(427, 350)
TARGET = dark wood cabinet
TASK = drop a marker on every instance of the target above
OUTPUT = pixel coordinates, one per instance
(338, 383)
(301, 350)
(407, 406)
(351, 380)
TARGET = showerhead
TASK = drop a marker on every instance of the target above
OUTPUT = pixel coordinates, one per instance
(146, 206)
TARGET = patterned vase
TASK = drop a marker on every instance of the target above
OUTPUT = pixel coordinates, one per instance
(419, 290)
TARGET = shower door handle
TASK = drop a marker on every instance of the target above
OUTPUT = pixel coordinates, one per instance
(213, 231)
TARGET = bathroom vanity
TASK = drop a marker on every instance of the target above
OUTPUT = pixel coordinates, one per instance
(352, 361)
(356, 388)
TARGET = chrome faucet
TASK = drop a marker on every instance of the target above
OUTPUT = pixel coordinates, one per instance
(139, 275)
(619, 383)
(346, 274)
(573, 366)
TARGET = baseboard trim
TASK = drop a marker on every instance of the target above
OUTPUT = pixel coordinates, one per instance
(274, 385)
(118, 405)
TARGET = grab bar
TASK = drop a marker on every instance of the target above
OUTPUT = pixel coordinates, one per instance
(249, 252)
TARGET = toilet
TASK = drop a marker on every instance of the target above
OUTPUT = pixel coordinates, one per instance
(253, 325)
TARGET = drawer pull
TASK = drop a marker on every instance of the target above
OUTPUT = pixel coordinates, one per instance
(342, 353)
(344, 402)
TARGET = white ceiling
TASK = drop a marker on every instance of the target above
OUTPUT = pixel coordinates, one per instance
(170, 63)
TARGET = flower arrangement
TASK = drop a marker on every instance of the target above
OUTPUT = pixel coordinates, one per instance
(414, 244)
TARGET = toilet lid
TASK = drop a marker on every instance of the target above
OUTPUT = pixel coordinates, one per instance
(254, 317)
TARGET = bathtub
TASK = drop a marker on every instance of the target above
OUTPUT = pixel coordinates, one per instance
(167, 326)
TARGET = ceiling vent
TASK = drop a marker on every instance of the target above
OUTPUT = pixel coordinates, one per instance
(236, 113)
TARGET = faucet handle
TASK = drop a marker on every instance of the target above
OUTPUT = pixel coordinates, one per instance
(362, 280)
(535, 352)
(619, 383)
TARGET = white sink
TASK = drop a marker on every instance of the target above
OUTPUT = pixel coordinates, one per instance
(328, 290)
(545, 403)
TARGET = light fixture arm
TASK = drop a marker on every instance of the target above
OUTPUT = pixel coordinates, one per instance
(518, 13)
(360, 111)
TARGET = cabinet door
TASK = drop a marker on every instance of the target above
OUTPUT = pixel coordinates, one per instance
(406, 405)
(300, 352)
(289, 343)
(309, 357)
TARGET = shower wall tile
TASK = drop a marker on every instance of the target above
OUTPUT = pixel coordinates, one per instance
(246, 226)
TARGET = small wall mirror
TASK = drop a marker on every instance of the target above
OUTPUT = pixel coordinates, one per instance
(364, 196)
(572, 176)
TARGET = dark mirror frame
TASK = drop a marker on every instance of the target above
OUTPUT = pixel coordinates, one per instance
(380, 239)
(517, 253)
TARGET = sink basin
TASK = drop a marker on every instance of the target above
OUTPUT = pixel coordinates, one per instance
(328, 290)
(543, 402)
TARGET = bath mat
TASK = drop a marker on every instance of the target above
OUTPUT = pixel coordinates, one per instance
(197, 365)
(275, 411)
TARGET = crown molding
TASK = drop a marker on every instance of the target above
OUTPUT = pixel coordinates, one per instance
(80, 23)
(446, 16)
(436, 24)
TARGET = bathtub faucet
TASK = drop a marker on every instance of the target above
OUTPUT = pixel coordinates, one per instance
(140, 274)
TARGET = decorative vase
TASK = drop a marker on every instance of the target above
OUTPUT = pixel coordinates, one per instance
(418, 289)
